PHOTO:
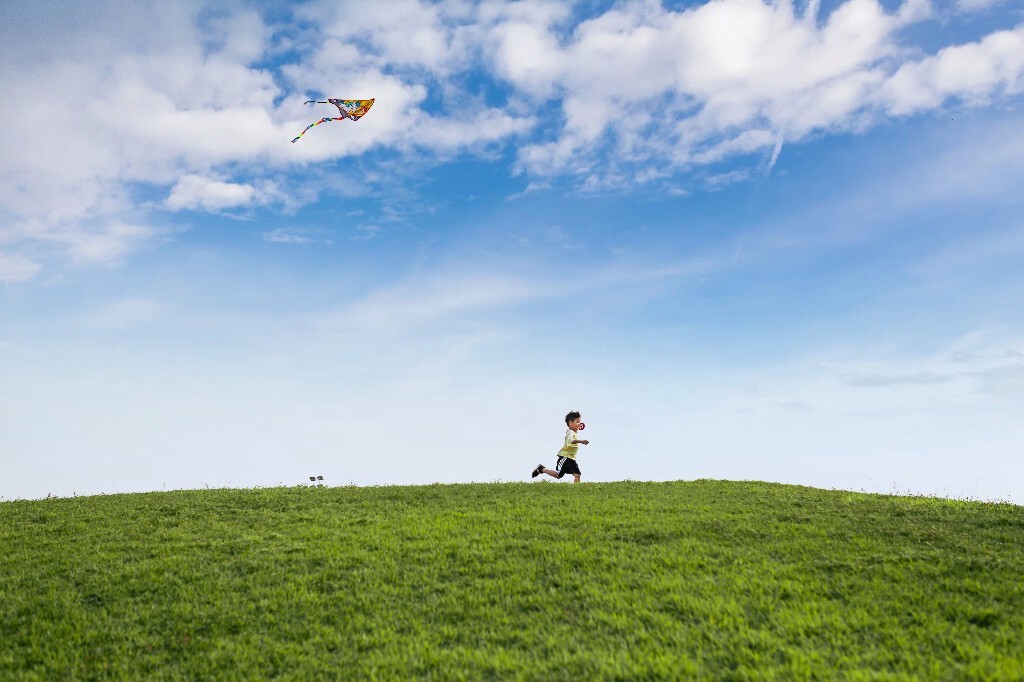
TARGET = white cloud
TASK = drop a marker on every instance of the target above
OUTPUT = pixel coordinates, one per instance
(15, 268)
(637, 93)
(197, 192)
(974, 73)
(734, 77)
(405, 33)
(486, 125)
(527, 55)
(96, 109)
(177, 102)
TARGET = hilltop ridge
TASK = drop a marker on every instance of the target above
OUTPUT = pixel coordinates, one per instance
(628, 580)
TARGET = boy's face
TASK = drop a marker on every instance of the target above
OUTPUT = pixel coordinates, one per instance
(574, 425)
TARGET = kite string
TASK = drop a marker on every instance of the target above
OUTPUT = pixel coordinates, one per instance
(323, 120)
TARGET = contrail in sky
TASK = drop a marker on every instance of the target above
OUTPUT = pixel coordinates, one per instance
(811, 13)
(775, 153)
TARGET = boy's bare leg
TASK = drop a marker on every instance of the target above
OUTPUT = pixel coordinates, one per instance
(576, 478)
(550, 472)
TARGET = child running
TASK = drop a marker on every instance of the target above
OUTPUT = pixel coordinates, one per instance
(566, 463)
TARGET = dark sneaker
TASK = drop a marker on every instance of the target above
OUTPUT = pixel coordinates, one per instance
(538, 471)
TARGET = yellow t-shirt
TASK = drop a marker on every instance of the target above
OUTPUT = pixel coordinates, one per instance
(568, 449)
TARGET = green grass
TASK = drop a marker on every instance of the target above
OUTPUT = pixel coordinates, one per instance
(539, 581)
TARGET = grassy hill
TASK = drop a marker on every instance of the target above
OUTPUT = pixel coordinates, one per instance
(538, 581)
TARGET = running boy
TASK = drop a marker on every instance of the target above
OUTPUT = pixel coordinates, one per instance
(567, 455)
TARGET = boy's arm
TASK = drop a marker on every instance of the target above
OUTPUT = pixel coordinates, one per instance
(584, 442)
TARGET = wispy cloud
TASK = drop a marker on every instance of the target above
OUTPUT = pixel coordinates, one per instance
(978, 359)
(296, 235)
(15, 268)
(127, 313)
(365, 232)
(977, 5)
(417, 302)
(533, 186)
(896, 380)
(720, 180)
(202, 104)
(107, 244)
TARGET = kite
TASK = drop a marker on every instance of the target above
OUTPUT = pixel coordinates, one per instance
(348, 108)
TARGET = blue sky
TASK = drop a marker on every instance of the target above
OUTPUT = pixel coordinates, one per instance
(746, 240)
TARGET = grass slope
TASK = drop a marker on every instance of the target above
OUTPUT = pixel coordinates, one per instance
(631, 581)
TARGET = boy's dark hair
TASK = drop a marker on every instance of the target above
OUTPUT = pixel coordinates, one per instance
(569, 417)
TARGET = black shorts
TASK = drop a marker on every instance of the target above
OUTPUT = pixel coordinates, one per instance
(567, 465)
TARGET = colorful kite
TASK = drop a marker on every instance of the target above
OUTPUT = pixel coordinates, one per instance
(349, 108)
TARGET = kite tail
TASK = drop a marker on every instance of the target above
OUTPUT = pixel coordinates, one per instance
(323, 120)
